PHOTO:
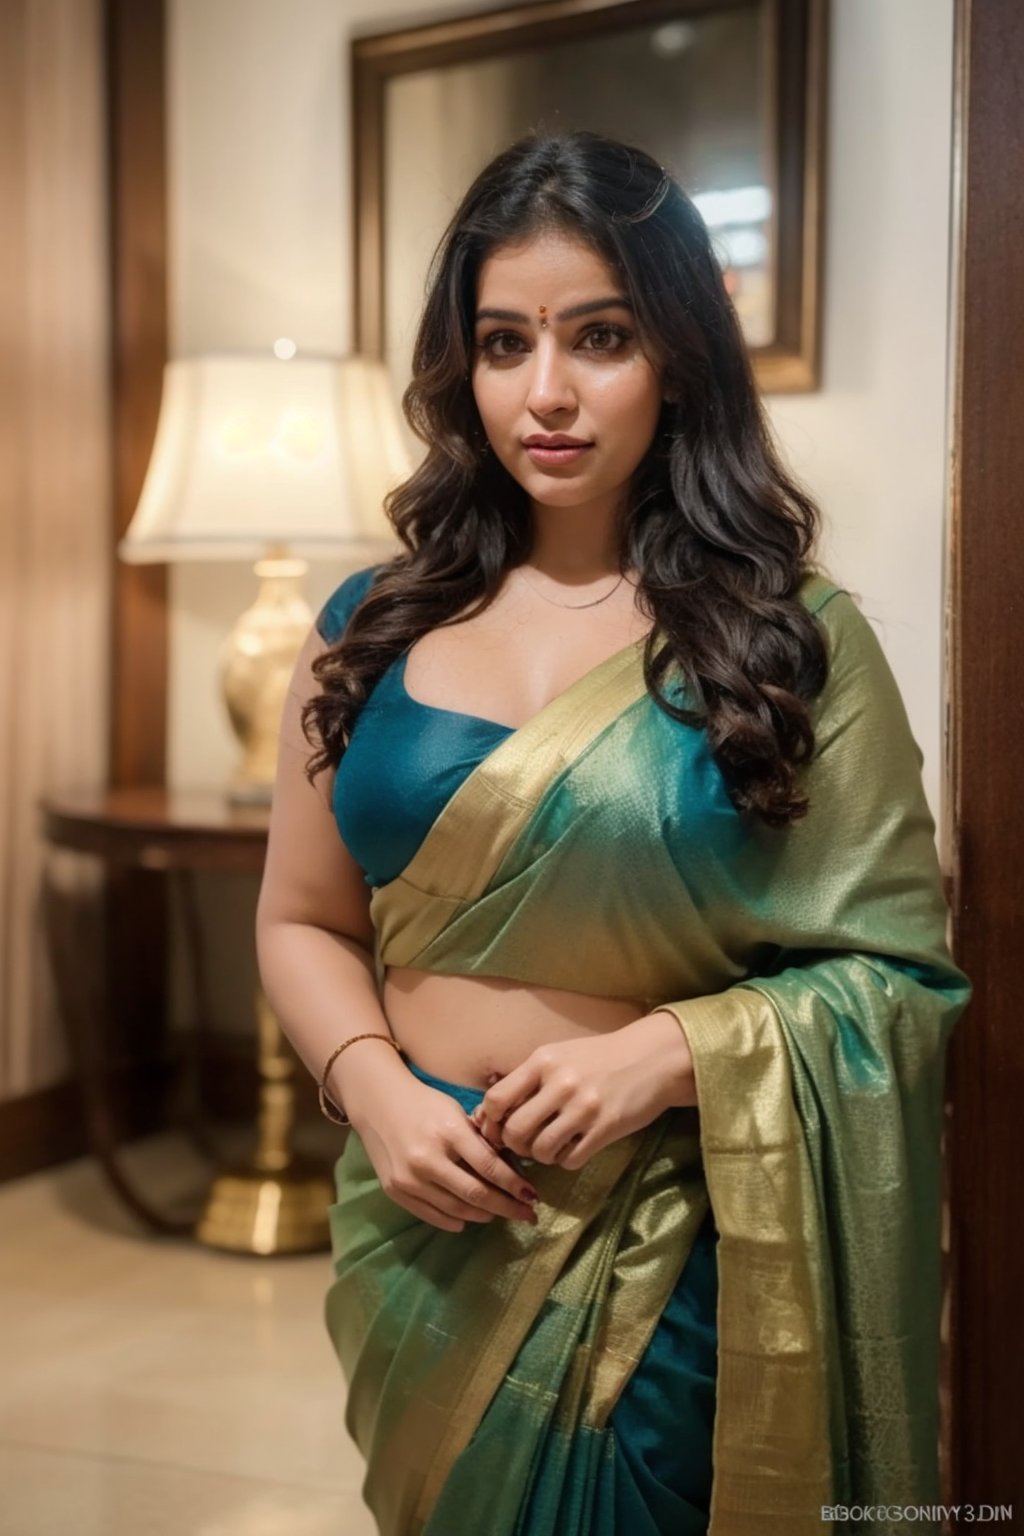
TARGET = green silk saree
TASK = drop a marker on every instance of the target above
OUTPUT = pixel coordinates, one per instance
(596, 849)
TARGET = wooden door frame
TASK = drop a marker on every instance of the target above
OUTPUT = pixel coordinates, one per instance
(985, 756)
(137, 167)
(136, 908)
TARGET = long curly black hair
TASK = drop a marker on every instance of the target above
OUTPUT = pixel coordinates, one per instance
(718, 532)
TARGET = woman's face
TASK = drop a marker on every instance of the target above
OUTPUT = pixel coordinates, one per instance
(557, 355)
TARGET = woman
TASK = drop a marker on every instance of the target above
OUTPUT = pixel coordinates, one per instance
(638, 1229)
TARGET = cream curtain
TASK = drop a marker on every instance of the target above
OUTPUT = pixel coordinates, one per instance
(55, 535)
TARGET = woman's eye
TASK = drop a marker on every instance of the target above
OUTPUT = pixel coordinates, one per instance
(501, 344)
(597, 338)
(609, 338)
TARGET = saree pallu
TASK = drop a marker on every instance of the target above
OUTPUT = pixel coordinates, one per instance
(596, 849)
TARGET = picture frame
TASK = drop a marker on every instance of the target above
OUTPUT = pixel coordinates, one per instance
(732, 101)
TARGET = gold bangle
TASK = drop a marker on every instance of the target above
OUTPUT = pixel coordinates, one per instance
(326, 1104)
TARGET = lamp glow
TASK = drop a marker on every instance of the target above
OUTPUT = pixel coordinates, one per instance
(251, 451)
(262, 458)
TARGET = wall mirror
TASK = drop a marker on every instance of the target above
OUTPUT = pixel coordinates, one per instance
(729, 95)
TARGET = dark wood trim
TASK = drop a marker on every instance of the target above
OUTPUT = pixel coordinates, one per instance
(136, 925)
(799, 87)
(44, 1129)
(41, 1129)
(986, 751)
(138, 254)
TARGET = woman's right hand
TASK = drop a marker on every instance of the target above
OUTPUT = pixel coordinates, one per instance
(432, 1161)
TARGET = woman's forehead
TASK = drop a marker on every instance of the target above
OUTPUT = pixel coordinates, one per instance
(557, 262)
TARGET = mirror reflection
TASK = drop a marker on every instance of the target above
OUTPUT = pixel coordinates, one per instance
(694, 92)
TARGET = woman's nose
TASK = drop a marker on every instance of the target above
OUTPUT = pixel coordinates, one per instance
(551, 386)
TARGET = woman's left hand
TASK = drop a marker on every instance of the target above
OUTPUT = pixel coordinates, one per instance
(570, 1098)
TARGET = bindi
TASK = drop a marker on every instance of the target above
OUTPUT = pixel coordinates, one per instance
(542, 310)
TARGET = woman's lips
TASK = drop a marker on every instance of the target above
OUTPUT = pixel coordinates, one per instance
(563, 455)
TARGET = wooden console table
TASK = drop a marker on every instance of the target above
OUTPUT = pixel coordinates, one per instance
(179, 834)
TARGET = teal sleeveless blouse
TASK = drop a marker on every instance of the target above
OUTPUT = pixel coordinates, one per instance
(404, 759)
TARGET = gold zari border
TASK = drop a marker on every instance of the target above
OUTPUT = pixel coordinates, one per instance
(772, 1408)
(458, 858)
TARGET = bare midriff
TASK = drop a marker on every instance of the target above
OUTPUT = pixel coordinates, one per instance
(502, 665)
(466, 1029)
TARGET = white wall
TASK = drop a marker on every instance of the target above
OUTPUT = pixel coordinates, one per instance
(261, 246)
(872, 444)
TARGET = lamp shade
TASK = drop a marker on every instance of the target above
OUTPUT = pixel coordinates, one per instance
(252, 451)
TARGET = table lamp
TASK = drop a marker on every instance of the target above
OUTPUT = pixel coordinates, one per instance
(269, 458)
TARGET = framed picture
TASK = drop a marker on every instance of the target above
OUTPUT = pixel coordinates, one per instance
(728, 95)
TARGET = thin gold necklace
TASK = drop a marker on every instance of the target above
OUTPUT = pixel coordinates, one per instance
(554, 601)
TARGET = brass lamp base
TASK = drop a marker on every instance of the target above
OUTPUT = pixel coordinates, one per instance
(249, 1211)
(276, 1202)
(257, 659)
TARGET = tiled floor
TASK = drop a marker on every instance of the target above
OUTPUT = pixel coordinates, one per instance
(152, 1387)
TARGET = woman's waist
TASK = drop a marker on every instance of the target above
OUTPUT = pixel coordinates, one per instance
(470, 1028)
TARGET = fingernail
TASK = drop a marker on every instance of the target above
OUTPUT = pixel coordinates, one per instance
(526, 1193)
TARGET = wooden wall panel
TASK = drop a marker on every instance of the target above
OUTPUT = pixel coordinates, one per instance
(986, 769)
(138, 232)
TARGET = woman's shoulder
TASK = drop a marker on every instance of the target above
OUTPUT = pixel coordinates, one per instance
(850, 636)
(860, 676)
(816, 588)
(343, 602)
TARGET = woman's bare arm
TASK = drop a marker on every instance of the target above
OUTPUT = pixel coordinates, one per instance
(314, 941)
(314, 937)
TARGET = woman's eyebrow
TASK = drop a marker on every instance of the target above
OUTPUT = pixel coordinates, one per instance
(574, 313)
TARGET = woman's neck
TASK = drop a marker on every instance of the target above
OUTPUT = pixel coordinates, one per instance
(575, 545)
